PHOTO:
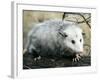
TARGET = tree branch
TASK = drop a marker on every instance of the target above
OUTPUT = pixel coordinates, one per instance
(63, 16)
(84, 19)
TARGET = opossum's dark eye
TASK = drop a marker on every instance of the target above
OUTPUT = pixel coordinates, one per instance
(73, 42)
(80, 40)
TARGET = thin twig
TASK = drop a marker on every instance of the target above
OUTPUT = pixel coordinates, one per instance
(27, 67)
(63, 16)
(84, 19)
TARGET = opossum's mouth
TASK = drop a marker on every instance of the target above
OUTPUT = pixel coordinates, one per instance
(69, 50)
(73, 51)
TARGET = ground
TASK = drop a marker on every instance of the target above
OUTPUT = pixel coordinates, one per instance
(46, 62)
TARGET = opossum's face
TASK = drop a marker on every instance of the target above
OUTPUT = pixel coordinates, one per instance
(73, 39)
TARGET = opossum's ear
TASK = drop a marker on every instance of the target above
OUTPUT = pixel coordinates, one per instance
(63, 34)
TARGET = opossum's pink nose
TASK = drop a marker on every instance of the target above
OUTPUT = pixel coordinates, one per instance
(81, 51)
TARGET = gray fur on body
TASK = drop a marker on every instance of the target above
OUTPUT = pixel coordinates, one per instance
(44, 38)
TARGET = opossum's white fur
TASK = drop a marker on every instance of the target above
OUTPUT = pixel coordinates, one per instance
(74, 33)
(45, 39)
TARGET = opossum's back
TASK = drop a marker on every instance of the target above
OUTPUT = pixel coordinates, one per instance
(47, 30)
(44, 34)
(49, 27)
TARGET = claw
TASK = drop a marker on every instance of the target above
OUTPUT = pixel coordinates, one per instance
(77, 58)
(37, 58)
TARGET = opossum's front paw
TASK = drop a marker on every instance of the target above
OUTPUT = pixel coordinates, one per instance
(76, 58)
(37, 58)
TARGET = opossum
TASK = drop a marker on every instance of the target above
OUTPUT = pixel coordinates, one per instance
(55, 38)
